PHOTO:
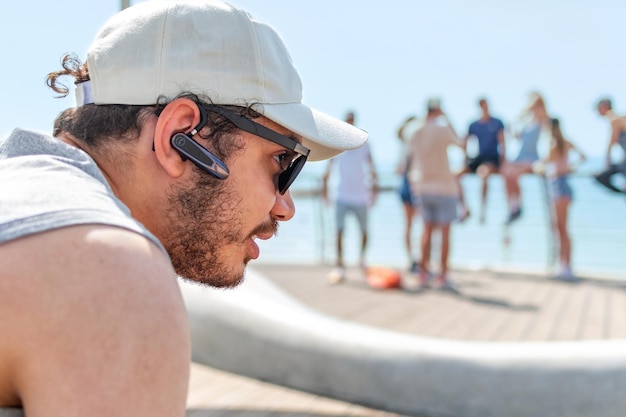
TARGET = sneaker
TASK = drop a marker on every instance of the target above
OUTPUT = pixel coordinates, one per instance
(444, 284)
(464, 215)
(514, 215)
(336, 276)
(415, 267)
(423, 279)
(565, 274)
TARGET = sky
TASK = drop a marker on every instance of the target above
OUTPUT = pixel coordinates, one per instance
(382, 60)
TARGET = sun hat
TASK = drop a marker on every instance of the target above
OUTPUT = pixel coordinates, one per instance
(166, 47)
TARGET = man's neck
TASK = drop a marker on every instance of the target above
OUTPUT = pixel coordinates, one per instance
(72, 141)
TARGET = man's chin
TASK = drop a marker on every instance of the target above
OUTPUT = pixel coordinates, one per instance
(217, 281)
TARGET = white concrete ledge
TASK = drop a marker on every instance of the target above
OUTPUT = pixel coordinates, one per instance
(259, 331)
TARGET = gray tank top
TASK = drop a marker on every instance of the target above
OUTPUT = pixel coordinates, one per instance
(11, 412)
(529, 137)
(46, 184)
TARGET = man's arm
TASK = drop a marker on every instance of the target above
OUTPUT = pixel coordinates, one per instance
(464, 146)
(502, 145)
(372, 168)
(403, 126)
(325, 179)
(453, 138)
(615, 131)
(582, 157)
(373, 175)
(98, 326)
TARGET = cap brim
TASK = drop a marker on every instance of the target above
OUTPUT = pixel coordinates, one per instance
(324, 135)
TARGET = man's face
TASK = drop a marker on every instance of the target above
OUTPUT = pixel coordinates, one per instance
(603, 109)
(213, 226)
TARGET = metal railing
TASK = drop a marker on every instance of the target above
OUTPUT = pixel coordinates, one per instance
(597, 227)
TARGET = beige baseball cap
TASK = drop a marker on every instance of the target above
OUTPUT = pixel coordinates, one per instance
(166, 47)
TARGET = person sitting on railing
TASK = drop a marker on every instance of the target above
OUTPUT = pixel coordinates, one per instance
(489, 132)
(618, 137)
(535, 121)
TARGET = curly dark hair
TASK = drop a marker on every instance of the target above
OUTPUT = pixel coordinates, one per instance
(98, 126)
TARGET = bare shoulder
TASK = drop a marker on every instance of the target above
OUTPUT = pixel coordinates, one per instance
(618, 123)
(98, 325)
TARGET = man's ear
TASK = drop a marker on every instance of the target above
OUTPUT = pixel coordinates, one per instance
(179, 116)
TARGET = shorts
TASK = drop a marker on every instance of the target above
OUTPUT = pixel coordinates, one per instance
(559, 188)
(439, 209)
(474, 163)
(360, 212)
(405, 191)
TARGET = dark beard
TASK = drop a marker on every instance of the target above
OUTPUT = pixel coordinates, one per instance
(203, 218)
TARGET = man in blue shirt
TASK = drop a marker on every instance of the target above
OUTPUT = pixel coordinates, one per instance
(489, 131)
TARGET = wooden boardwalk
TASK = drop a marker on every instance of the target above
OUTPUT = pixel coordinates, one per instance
(487, 306)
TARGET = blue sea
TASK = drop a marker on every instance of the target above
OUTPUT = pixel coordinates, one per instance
(597, 229)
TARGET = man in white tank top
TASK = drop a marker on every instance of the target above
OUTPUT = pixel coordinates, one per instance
(355, 193)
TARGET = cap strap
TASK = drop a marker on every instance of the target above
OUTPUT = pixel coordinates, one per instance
(83, 92)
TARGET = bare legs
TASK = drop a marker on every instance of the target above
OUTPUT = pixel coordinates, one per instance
(338, 274)
(426, 246)
(363, 248)
(340, 248)
(409, 213)
(445, 249)
(484, 171)
(427, 234)
(512, 172)
(561, 208)
(465, 212)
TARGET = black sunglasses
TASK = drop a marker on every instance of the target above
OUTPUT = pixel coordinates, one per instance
(290, 163)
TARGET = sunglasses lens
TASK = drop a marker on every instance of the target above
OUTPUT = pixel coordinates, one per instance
(289, 175)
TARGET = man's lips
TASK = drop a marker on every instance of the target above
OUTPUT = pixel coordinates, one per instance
(263, 236)
(264, 232)
(253, 247)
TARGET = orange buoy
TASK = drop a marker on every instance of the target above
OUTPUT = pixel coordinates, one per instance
(383, 278)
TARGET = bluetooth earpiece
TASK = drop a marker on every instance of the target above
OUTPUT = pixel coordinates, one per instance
(196, 153)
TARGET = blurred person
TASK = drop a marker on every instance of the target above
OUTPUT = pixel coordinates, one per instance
(153, 174)
(535, 121)
(618, 138)
(437, 187)
(356, 191)
(489, 133)
(557, 167)
(410, 203)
